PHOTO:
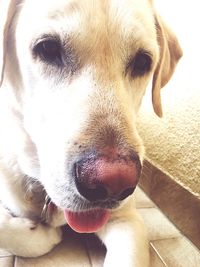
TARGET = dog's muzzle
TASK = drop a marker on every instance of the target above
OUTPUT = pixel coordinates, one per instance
(100, 179)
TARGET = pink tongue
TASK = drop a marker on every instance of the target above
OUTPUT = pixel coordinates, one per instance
(88, 221)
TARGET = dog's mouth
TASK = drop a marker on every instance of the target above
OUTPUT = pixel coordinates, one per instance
(88, 221)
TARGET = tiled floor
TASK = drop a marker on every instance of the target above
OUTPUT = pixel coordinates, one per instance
(167, 246)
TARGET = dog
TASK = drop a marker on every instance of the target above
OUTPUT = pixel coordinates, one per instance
(72, 75)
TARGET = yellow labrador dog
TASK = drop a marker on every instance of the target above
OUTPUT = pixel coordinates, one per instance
(73, 74)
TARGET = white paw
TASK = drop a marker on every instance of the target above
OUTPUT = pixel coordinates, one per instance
(27, 239)
(4, 216)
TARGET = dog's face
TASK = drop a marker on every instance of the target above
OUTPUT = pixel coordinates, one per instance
(82, 68)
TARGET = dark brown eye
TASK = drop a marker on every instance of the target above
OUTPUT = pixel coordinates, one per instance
(49, 51)
(141, 64)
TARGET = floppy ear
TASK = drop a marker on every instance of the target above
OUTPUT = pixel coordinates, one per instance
(7, 8)
(170, 53)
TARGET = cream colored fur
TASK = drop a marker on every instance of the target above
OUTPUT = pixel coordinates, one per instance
(44, 112)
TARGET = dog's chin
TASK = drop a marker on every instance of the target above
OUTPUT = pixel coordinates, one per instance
(77, 203)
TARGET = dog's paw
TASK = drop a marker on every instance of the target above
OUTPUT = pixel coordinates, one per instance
(29, 239)
(5, 216)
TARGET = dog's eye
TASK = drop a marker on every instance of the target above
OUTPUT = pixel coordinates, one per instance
(49, 51)
(141, 64)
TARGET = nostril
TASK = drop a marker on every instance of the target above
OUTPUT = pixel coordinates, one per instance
(98, 193)
(129, 191)
(87, 187)
(92, 194)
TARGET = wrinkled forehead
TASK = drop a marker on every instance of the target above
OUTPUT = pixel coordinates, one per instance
(89, 18)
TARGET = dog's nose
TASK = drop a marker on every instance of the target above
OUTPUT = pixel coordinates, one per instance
(100, 178)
